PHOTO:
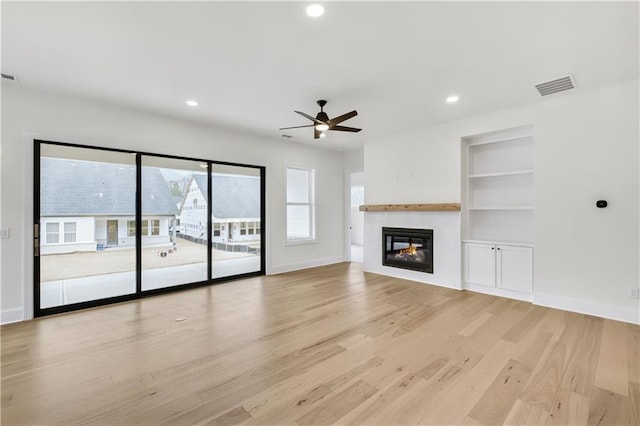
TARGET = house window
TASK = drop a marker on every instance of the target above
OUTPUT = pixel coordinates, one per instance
(145, 227)
(155, 227)
(195, 203)
(243, 228)
(53, 233)
(257, 228)
(216, 229)
(300, 204)
(131, 228)
(69, 232)
(251, 229)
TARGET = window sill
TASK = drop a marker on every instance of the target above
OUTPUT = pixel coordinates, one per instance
(300, 242)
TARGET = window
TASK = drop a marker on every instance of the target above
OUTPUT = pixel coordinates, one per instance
(53, 233)
(300, 204)
(155, 227)
(243, 228)
(216, 229)
(131, 228)
(195, 203)
(145, 227)
(69, 232)
(252, 226)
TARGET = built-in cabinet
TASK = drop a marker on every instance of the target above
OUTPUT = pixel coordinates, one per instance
(501, 266)
(497, 212)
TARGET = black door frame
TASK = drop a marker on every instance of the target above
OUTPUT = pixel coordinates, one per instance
(38, 311)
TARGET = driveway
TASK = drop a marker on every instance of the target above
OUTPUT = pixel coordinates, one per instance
(113, 260)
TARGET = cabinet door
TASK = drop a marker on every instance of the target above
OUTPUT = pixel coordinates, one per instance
(480, 264)
(515, 268)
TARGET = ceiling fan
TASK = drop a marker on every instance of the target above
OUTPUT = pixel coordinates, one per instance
(322, 122)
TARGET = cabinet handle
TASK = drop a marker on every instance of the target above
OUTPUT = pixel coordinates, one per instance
(493, 248)
(498, 248)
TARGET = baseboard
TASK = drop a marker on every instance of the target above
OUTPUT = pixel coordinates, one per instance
(10, 315)
(500, 292)
(280, 269)
(617, 313)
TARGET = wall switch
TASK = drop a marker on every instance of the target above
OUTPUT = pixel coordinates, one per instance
(4, 233)
(633, 293)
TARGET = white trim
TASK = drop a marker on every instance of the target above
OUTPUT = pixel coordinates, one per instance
(10, 315)
(500, 292)
(413, 276)
(280, 269)
(613, 312)
(300, 241)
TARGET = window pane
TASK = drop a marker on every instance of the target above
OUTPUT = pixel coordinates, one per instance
(173, 254)
(236, 201)
(53, 236)
(94, 191)
(131, 228)
(298, 222)
(69, 232)
(297, 186)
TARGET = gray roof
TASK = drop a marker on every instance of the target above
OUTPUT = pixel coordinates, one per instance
(234, 196)
(87, 188)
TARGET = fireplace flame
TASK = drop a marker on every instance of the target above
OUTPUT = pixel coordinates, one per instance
(411, 250)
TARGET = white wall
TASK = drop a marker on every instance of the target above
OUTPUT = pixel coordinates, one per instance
(586, 149)
(30, 114)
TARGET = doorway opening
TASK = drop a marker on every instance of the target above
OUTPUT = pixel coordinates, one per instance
(356, 218)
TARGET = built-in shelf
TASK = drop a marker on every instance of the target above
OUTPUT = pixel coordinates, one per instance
(501, 208)
(512, 173)
(500, 140)
(439, 207)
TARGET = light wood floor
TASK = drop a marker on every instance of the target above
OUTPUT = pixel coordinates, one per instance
(328, 345)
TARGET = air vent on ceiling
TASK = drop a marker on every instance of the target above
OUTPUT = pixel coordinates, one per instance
(558, 85)
(9, 77)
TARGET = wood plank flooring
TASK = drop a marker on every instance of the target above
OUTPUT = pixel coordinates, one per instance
(329, 345)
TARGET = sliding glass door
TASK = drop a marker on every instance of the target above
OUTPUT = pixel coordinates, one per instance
(112, 225)
(236, 218)
(174, 222)
(86, 203)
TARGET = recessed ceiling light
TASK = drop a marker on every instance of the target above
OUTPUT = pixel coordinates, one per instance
(453, 98)
(315, 10)
(192, 103)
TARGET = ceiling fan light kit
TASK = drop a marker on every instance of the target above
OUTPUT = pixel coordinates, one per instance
(323, 123)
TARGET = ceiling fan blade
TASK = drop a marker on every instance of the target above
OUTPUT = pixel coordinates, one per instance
(309, 117)
(341, 118)
(296, 127)
(345, 129)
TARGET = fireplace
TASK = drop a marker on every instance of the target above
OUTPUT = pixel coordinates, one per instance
(408, 248)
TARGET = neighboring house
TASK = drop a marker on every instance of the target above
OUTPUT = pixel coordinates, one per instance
(236, 208)
(88, 205)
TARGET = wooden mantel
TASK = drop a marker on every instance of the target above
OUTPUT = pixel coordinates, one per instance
(439, 207)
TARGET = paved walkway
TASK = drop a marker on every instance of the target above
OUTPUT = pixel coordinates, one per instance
(75, 290)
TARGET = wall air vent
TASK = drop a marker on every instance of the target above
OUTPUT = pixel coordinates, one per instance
(558, 85)
(9, 77)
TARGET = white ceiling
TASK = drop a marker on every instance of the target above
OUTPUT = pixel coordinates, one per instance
(250, 64)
